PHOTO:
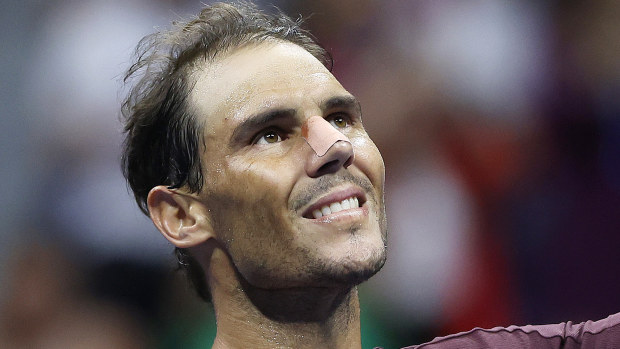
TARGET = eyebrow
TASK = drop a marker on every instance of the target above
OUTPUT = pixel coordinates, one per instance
(257, 121)
(346, 101)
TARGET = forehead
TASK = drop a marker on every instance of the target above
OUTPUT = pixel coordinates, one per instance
(260, 76)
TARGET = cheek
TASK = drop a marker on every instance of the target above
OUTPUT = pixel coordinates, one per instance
(246, 193)
(368, 159)
(250, 215)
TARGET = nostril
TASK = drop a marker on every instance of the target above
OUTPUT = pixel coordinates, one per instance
(329, 167)
(349, 161)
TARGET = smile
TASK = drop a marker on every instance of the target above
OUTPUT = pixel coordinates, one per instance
(350, 198)
(345, 204)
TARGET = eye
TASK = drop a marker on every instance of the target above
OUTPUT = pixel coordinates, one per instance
(339, 121)
(267, 137)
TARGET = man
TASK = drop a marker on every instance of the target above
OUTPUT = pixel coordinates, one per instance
(251, 158)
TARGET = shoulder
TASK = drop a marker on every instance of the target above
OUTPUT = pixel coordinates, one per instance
(590, 334)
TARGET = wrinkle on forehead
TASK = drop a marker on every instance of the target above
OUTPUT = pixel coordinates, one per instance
(254, 94)
(257, 76)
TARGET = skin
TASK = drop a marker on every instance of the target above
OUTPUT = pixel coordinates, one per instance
(279, 277)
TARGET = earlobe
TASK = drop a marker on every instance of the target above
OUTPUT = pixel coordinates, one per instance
(180, 217)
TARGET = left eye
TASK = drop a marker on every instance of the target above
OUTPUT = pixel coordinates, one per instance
(268, 137)
(339, 122)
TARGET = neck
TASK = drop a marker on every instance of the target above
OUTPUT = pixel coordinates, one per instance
(289, 319)
(248, 317)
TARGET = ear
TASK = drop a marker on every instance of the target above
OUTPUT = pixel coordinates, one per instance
(179, 216)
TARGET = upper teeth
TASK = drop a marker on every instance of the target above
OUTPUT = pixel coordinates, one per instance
(345, 204)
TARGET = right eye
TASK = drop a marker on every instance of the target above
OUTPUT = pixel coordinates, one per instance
(268, 137)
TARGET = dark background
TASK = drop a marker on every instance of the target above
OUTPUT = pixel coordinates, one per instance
(499, 126)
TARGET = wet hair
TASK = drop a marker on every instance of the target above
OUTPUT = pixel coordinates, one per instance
(163, 139)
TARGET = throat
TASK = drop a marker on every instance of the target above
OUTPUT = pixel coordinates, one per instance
(299, 318)
(303, 305)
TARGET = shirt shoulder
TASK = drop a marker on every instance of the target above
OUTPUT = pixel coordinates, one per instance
(602, 334)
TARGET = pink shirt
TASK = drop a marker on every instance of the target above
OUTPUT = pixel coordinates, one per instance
(602, 334)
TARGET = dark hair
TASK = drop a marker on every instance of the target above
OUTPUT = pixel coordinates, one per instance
(162, 138)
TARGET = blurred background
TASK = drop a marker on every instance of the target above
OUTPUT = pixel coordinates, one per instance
(498, 123)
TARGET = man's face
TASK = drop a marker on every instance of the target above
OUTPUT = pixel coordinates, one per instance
(264, 182)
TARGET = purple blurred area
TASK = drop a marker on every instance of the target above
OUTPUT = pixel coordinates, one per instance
(499, 124)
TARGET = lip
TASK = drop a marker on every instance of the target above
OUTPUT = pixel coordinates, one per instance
(336, 196)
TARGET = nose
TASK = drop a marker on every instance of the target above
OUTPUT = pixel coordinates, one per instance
(331, 150)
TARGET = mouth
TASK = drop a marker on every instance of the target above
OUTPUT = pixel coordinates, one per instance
(348, 199)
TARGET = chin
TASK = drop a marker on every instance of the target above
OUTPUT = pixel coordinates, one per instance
(359, 261)
(357, 275)
(348, 271)
(351, 270)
